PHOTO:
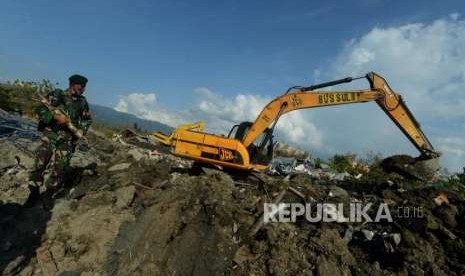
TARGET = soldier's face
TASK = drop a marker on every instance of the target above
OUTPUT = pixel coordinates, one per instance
(78, 89)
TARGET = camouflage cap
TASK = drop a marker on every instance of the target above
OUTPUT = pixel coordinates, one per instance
(78, 79)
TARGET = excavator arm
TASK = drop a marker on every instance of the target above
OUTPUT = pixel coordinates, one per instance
(394, 106)
(389, 101)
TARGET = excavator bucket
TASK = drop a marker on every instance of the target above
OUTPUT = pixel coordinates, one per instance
(168, 139)
(420, 168)
(429, 167)
(162, 138)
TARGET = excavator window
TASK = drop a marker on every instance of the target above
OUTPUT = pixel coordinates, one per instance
(232, 132)
(261, 150)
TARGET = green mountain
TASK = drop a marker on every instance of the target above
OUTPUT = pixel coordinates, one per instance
(115, 119)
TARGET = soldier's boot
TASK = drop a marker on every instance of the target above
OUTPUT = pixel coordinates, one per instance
(49, 188)
(34, 194)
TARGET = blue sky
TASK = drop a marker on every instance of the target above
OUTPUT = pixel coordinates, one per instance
(221, 61)
(173, 47)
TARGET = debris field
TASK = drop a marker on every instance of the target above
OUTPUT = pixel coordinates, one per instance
(132, 208)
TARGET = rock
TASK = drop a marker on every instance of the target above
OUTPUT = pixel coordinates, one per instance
(332, 242)
(136, 154)
(396, 238)
(81, 159)
(45, 260)
(448, 214)
(58, 251)
(120, 167)
(14, 265)
(88, 172)
(27, 271)
(125, 196)
(174, 176)
(338, 192)
(242, 255)
(14, 189)
(327, 266)
(10, 154)
(210, 171)
(341, 176)
(218, 176)
(348, 234)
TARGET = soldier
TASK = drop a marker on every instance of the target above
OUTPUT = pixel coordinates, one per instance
(59, 140)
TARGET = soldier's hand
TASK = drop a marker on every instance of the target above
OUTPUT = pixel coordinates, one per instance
(60, 118)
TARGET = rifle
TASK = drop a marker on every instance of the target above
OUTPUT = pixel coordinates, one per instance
(59, 115)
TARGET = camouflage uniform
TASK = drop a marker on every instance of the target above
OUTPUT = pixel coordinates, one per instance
(58, 143)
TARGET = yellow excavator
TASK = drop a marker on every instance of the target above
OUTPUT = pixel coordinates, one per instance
(249, 146)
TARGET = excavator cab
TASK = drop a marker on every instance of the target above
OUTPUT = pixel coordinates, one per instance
(261, 150)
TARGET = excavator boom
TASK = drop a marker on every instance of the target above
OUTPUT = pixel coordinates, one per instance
(389, 101)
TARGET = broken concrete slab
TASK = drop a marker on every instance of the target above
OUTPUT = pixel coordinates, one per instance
(119, 167)
(125, 196)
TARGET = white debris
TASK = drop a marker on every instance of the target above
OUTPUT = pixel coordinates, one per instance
(368, 234)
(119, 167)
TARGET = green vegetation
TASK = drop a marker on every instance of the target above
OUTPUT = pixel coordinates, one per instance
(340, 163)
(456, 181)
(350, 163)
(318, 163)
(18, 96)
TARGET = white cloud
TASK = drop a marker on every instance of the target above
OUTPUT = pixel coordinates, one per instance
(145, 106)
(452, 145)
(453, 149)
(122, 106)
(241, 108)
(425, 63)
(299, 130)
(221, 113)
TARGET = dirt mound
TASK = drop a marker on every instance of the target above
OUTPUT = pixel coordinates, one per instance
(135, 210)
(187, 231)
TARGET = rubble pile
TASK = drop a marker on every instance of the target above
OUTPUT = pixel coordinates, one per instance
(289, 165)
(132, 209)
